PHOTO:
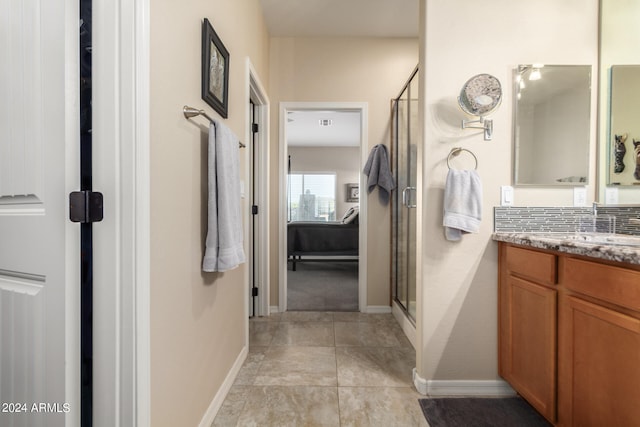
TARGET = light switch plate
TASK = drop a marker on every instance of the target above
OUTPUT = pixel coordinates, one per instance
(506, 195)
(611, 195)
(580, 196)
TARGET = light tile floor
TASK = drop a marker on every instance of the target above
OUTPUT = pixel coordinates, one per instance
(324, 369)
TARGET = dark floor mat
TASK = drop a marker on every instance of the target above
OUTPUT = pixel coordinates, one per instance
(481, 412)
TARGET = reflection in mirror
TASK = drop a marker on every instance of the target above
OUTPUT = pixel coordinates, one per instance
(480, 95)
(552, 124)
(624, 133)
(618, 45)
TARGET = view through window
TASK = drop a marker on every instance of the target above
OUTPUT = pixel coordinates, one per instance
(312, 197)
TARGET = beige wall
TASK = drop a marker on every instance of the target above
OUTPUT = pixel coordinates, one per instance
(197, 319)
(457, 324)
(342, 70)
(344, 161)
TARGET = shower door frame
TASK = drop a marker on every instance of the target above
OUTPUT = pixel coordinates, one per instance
(402, 194)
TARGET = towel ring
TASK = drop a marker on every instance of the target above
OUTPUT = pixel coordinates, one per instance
(456, 151)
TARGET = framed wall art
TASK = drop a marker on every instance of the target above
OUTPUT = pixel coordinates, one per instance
(215, 70)
(353, 193)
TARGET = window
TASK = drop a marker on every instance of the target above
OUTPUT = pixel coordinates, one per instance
(311, 197)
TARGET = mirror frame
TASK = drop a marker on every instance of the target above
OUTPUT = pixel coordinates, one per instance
(483, 85)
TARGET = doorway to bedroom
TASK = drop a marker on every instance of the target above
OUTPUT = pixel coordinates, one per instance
(322, 218)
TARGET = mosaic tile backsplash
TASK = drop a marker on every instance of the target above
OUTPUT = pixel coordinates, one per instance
(560, 219)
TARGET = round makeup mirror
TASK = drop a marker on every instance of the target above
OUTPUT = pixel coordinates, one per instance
(480, 95)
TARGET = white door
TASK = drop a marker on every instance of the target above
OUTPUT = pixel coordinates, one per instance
(39, 247)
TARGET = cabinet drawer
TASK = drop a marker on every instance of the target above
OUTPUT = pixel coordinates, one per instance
(616, 285)
(537, 266)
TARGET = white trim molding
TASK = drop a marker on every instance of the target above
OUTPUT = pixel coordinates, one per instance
(142, 309)
(378, 309)
(285, 107)
(218, 399)
(122, 383)
(459, 388)
(257, 94)
(419, 383)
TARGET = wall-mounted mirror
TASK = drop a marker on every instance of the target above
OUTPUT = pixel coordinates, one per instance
(552, 124)
(618, 108)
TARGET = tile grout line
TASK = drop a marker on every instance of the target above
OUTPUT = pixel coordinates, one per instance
(335, 352)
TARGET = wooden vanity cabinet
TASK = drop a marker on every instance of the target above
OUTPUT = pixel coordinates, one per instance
(599, 345)
(527, 322)
(569, 336)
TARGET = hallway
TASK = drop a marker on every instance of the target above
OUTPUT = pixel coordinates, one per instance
(322, 368)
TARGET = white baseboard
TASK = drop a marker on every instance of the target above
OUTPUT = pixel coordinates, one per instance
(419, 382)
(378, 309)
(372, 309)
(218, 399)
(472, 388)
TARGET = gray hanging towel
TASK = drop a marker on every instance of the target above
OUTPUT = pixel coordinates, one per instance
(379, 172)
(224, 248)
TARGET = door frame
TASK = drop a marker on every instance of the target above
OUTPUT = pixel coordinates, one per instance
(285, 108)
(258, 95)
(122, 387)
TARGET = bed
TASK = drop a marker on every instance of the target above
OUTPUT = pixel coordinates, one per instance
(318, 240)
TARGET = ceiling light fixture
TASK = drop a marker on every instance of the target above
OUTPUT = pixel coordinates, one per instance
(325, 122)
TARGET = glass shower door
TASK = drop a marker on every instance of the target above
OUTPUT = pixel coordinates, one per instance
(404, 153)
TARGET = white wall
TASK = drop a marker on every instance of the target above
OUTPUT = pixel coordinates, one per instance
(344, 161)
(457, 298)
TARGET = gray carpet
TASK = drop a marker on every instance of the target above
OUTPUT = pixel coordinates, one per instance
(481, 412)
(323, 286)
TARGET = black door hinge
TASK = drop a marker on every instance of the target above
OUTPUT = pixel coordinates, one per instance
(254, 127)
(254, 210)
(254, 292)
(85, 206)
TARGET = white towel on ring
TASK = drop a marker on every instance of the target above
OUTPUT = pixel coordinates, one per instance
(462, 203)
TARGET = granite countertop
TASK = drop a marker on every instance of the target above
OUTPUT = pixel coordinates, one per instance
(568, 243)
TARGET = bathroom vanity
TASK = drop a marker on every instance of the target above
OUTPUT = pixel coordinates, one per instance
(569, 327)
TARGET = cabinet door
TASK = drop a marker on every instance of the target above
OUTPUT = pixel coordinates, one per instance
(528, 342)
(599, 366)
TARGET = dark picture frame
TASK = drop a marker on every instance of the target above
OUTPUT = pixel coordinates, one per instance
(215, 70)
(353, 193)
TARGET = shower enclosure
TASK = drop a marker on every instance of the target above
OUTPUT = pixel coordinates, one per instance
(404, 150)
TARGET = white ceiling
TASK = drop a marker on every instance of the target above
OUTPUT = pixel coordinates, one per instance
(304, 130)
(344, 18)
(336, 18)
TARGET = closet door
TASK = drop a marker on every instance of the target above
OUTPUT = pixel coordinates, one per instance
(39, 251)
